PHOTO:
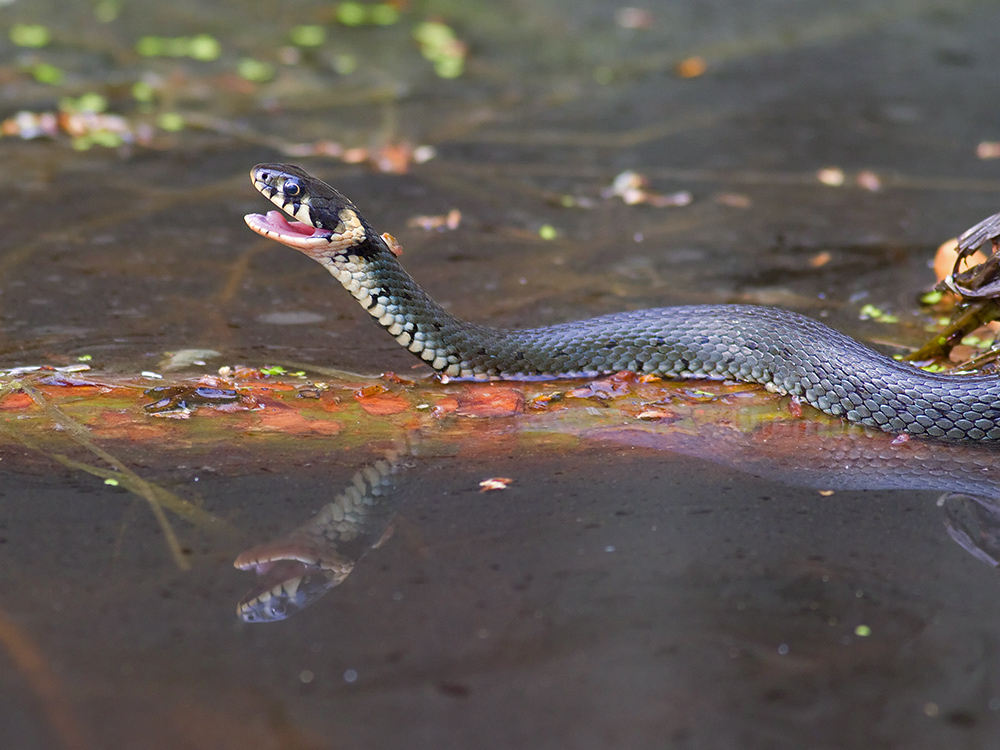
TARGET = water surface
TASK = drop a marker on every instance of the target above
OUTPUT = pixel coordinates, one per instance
(636, 585)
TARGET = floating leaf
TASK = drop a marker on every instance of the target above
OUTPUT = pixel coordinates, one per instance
(255, 70)
(30, 35)
(310, 35)
(490, 401)
(171, 121)
(47, 73)
(351, 14)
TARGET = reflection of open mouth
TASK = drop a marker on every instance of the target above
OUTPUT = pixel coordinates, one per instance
(298, 569)
(284, 586)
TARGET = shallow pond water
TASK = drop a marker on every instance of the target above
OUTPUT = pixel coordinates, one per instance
(709, 581)
(610, 596)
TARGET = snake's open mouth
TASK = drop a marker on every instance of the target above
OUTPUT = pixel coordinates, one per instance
(283, 588)
(290, 577)
(295, 234)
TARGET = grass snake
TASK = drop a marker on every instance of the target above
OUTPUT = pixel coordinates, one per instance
(783, 351)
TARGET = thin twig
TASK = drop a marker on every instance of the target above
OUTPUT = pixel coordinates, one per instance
(122, 474)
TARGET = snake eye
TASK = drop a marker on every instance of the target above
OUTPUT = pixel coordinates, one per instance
(291, 187)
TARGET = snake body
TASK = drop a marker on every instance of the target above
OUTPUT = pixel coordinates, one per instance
(781, 350)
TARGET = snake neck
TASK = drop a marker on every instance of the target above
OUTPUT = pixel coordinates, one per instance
(672, 342)
(389, 294)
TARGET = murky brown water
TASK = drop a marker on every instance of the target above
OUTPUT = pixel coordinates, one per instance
(622, 592)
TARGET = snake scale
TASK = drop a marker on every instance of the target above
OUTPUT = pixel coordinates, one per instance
(781, 350)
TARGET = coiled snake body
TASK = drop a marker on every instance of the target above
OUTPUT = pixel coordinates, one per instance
(781, 350)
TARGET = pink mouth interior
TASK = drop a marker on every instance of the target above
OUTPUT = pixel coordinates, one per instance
(263, 558)
(276, 571)
(275, 221)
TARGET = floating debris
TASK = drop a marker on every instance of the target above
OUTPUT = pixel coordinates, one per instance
(310, 35)
(868, 180)
(85, 127)
(439, 44)
(655, 415)
(277, 370)
(441, 222)
(634, 18)
(871, 312)
(29, 35)
(352, 13)
(691, 67)
(988, 150)
(203, 47)
(380, 401)
(186, 358)
(181, 400)
(835, 177)
(494, 483)
(257, 71)
(832, 176)
(242, 372)
(632, 186)
(16, 372)
(31, 125)
(820, 259)
(603, 389)
(734, 200)
(391, 158)
(487, 402)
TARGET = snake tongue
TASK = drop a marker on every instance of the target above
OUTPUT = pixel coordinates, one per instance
(292, 233)
(278, 222)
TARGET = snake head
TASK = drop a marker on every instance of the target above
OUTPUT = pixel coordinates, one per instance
(326, 224)
(290, 576)
(284, 589)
